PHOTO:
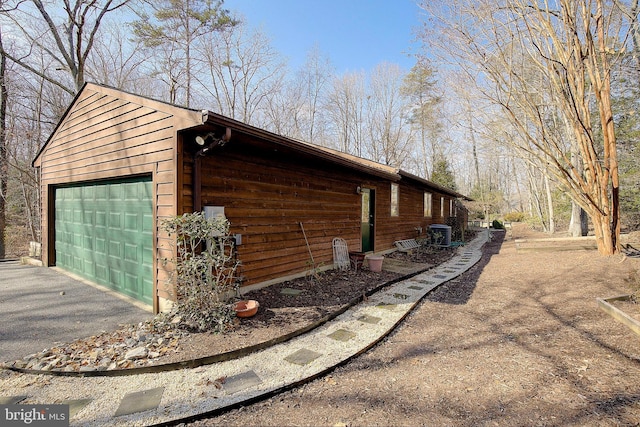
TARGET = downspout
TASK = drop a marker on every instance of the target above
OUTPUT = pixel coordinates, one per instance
(197, 184)
(197, 172)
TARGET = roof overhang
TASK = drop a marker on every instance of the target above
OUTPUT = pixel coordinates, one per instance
(334, 156)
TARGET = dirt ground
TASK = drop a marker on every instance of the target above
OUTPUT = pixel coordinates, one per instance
(516, 341)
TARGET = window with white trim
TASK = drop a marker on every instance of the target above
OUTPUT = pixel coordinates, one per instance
(428, 202)
(395, 200)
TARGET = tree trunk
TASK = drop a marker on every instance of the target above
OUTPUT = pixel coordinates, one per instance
(579, 224)
(552, 221)
(4, 168)
(605, 238)
(535, 198)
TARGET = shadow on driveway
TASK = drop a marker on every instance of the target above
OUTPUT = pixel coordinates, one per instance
(35, 314)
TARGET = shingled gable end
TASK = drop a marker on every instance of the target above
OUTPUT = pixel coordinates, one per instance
(117, 164)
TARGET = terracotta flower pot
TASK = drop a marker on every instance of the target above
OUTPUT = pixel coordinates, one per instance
(246, 308)
(375, 263)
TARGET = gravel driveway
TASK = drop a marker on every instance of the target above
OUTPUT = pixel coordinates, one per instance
(40, 306)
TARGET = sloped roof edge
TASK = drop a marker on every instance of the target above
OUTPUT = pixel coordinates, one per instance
(107, 88)
(329, 154)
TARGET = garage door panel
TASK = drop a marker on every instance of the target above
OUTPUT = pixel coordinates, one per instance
(100, 247)
(104, 233)
(102, 271)
(131, 253)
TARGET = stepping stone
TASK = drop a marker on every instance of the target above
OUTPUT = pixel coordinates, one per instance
(342, 335)
(369, 319)
(450, 271)
(291, 291)
(140, 401)
(440, 276)
(400, 296)
(427, 282)
(387, 305)
(241, 382)
(76, 406)
(416, 288)
(11, 400)
(302, 357)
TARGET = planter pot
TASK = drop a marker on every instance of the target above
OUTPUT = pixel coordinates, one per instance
(246, 308)
(622, 317)
(375, 263)
(357, 258)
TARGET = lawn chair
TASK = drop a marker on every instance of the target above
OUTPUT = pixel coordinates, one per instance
(340, 254)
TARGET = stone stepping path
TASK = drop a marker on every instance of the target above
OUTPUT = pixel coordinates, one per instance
(241, 382)
(147, 399)
(140, 401)
(76, 406)
(11, 400)
(342, 335)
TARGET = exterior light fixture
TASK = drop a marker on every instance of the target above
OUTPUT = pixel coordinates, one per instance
(202, 140)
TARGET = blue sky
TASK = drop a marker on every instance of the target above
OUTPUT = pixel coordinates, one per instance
(356, 35)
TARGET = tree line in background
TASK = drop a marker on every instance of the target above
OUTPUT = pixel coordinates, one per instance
(495, 120)
(553, 85)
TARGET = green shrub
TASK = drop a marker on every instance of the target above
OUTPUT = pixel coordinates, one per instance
(497, 225)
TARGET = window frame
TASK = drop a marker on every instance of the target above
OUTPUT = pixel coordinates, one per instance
(395, 200)
(427, 204)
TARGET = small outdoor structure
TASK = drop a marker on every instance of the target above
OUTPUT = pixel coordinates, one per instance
(117, 164)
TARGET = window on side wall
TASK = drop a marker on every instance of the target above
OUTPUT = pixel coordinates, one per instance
(428, 201)
(442, 207)
(395, 200)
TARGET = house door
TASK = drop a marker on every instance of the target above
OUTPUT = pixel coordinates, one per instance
(368, 219)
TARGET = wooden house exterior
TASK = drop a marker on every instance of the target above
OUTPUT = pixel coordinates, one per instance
(118, 164)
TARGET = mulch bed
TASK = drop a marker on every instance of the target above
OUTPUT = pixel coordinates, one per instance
(280, 314)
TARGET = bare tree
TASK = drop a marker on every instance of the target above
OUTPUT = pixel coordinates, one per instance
(388, 116)
(4, 167)
(244, 72)
(118, 61)
(566, 45)
(314, 78)
(346, 106)
(64, 34)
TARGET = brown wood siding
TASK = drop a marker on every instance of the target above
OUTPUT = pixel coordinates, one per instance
(107, 134)
(411, 215)
(266, 199)
(267, 194)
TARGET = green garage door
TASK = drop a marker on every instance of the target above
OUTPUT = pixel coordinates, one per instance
(104, 233)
